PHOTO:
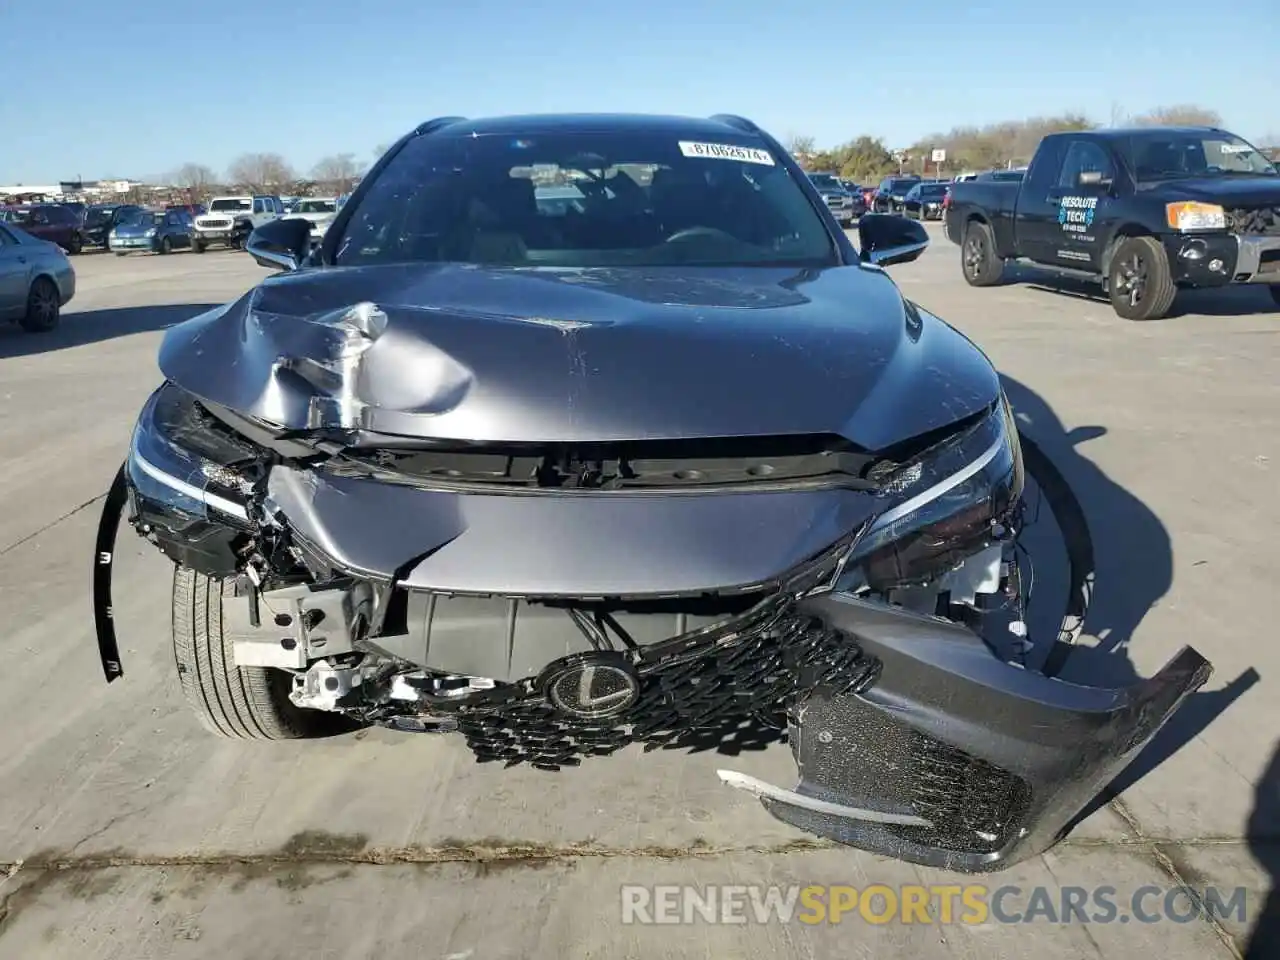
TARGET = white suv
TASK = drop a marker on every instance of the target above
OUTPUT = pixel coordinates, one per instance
(230, 220)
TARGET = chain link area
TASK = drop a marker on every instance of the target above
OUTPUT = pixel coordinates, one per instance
(722, 695)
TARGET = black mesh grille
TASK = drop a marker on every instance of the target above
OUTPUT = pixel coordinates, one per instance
(1256, 221)
(705, 695)
(973, 804)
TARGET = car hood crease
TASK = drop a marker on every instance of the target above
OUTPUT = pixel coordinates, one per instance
(579, 355)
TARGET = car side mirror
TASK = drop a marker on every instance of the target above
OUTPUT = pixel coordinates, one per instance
(1094, 178)
(885, 239)
(281, 244)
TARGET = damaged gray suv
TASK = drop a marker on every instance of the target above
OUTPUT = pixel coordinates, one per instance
(579, 432)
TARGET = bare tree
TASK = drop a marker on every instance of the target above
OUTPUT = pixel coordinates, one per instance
(379, 150)
(336, 173)
(260, 171)
(996, 145)
(801, 147)
(195, 178)
(1179, 115)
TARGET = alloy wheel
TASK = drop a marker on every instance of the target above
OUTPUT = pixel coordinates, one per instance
(1131, 279)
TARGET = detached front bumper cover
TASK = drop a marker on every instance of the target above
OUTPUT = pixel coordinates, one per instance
(954, 758)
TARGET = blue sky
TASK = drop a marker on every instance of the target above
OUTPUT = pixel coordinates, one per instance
(134, 88)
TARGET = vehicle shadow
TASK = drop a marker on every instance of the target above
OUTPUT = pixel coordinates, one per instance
(1264, 844)
(95, 326)
(1133, 570)
(1232, 301)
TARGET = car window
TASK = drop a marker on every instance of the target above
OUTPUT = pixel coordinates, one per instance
(646, 199)
(1171, 156)
(7, 239)
(1084, 156)
(230, 205)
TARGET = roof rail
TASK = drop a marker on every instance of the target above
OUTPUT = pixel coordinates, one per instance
(432, 125)
(742, 123)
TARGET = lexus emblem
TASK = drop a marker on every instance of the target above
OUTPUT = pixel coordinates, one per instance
(593, 686)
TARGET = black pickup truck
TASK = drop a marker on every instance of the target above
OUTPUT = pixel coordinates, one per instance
(1144, 211)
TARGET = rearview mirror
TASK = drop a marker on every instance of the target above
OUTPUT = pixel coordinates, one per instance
(281, 244)
(885, 239)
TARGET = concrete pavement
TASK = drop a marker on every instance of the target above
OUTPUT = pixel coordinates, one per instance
(125, 831)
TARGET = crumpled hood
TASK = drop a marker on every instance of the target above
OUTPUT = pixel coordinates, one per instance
(545, 355)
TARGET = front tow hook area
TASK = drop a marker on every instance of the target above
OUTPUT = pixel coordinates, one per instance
(953, 758)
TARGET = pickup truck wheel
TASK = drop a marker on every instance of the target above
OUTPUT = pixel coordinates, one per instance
(197, 246)
(978, 260)
(1139, 281)
(241, 703)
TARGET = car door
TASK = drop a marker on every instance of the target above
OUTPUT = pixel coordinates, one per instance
(13, 277)
(1036, 227)
(39, 225)
(1082, 207)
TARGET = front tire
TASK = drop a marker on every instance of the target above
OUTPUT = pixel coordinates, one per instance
(166, 245)
(197, 246)
(978, 260)
(44, 307)
(1139, 281)
(239, 703)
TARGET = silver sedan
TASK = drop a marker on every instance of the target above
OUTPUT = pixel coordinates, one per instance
(36, 280)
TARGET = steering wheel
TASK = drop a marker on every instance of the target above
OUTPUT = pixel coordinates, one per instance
(690, 233)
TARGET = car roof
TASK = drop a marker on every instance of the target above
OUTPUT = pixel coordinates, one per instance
(534, 123)
(1118, 132)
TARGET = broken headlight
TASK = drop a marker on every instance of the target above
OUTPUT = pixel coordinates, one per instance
(941, 508)
(180, 458)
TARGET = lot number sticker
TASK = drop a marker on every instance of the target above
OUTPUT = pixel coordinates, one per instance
(726, 151)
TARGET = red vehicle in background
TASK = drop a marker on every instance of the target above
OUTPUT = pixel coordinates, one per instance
(47, 221)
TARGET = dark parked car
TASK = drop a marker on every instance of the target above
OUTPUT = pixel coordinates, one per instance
(1142, 211)
(194, 209)
(892, 193)
(837, 198)
(924, 201)
(48, 221)
(675, 462)
(100, 219)
(153, 232)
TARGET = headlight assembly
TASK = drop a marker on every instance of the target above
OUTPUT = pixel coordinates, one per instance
(941, 508)
(1191, 215)
(178, 460)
